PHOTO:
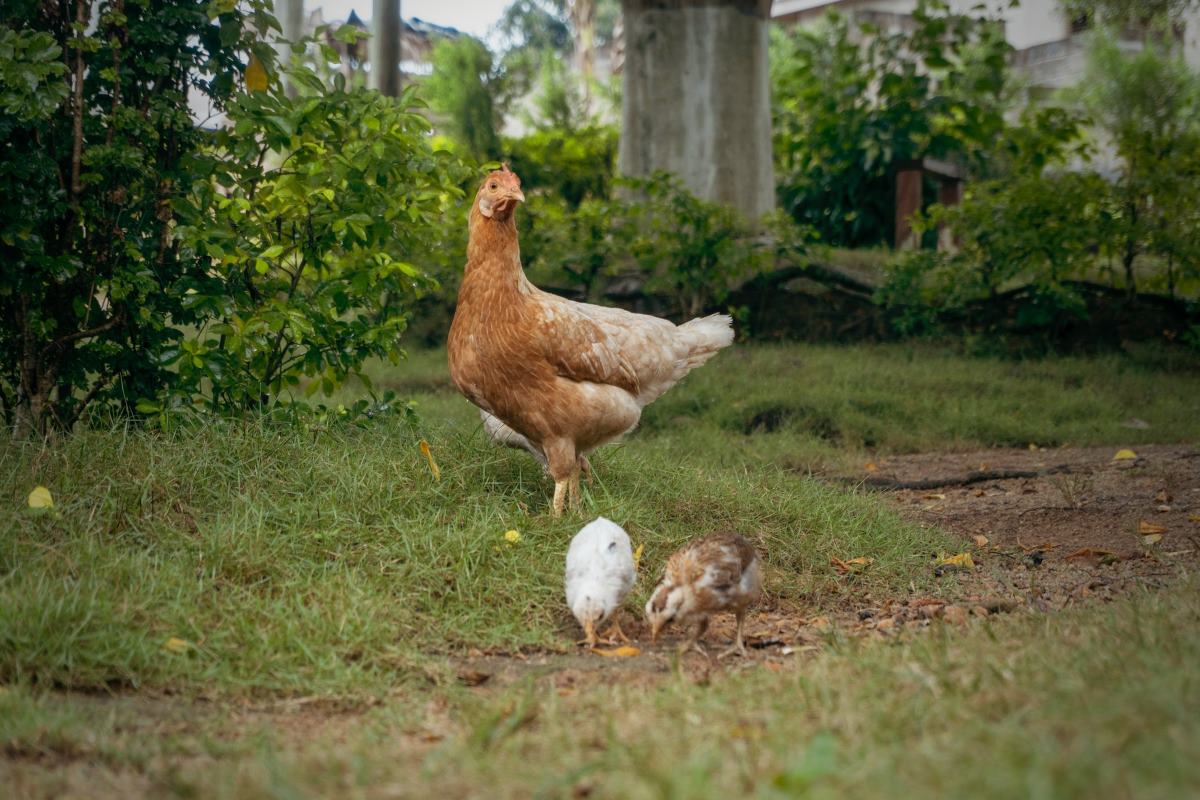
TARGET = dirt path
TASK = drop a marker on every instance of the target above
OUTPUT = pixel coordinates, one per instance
(1042, 543)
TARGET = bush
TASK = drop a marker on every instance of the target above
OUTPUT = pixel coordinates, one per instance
(845, 113)
(95, 156)
(148, 261)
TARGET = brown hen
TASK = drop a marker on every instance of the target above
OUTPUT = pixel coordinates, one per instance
(553, 376)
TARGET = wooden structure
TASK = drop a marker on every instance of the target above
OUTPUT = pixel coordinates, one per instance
(910, 182)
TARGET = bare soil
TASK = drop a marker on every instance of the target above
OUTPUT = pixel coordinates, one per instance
(1037, 544)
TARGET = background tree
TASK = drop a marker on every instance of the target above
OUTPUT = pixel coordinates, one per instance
(468, 90)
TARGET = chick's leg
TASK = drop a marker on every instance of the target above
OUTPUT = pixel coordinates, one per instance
(693, 642)
(738, 647)
(614, 630)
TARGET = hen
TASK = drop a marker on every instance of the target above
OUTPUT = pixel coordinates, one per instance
(600, 573)
(550, 375)
(710, 575)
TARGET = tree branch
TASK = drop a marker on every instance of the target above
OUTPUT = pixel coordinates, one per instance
(63, 341)
(102, 382)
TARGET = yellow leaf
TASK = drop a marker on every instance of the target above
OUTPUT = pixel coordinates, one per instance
(176, 645)
(1124, 455)
(1149, 528)
(40, 498)
(934, 496)
(624, 651)
(256, 75)
(433, 467)
(960, 560)
(512, 537)
(851, 564)
(637, 555)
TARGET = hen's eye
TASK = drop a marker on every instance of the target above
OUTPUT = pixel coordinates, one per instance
(493, 186)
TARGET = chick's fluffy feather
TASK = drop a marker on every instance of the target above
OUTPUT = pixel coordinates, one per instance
(600, 572)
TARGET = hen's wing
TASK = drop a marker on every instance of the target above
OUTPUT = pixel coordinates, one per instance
(641, 354)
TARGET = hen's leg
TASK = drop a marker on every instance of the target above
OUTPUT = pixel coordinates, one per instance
(573, 497)
(585, 467)
(560, 454)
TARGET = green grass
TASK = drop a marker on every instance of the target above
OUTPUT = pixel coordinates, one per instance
(1030, 706)
(330, 564)
(335, 563)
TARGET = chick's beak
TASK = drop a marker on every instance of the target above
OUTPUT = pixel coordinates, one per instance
(655, 627)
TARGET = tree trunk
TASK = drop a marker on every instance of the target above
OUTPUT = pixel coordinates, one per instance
(385, 47)
(290, 14)
(697, 99)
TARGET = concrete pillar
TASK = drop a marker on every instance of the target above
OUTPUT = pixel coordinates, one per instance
(385, 47)
(697, 100)
(290, 14)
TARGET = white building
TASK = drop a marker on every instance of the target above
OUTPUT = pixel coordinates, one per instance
(1047, 42)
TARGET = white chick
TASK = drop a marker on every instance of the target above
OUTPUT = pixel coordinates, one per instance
(600, 573)
(707, 576)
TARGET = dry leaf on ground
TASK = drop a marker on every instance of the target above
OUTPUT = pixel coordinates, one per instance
(961, 560)
(1124, 455)
(624, 651)
(980, 540)
(851, 565)
(1149, 528)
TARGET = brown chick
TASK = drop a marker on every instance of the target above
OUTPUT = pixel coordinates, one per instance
(710, 575)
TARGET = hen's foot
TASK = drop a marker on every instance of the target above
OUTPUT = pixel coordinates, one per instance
(614, 630)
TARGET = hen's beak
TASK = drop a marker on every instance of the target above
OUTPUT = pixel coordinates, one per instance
(516, 194)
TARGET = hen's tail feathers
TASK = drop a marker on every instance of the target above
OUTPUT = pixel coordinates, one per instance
(702, 338)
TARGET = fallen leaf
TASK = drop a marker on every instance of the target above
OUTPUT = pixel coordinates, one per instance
(934, 496)
(820, 623)
(963, 560)
(980, 540)
(979, 493)
(1034, 548)
(1149, 528)
(872, 467)
(624, 651)
(1090, 552)
(40, 498)
(637, 556)
(851, 565)
(256, 75)
(473, 677)
(1124, 455)
(1153, 538)
(433, 467)
(176, 645)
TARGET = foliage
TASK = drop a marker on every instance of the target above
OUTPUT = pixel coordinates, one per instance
(150, 263)
(91, 279)
(317, 215)
(691, 249)
(1146, 104)
(468, 90)
(845, 114)
(574, 165)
